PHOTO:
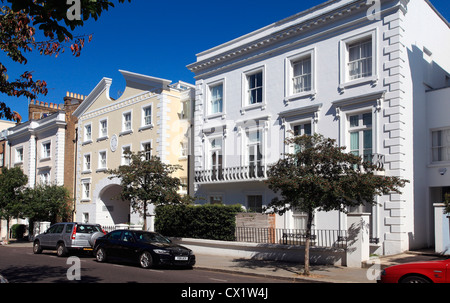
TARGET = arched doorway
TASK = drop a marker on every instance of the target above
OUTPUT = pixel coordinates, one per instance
(111, 209)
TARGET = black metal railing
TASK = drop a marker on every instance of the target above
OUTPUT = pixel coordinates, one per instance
(319, 237)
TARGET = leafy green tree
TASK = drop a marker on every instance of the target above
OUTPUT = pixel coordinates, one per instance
(56, 20)
(148, 181)
(47, 203)
(12, 183)
(321, 176)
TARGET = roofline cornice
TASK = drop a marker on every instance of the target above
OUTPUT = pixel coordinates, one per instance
(286, 33)
(277, 36)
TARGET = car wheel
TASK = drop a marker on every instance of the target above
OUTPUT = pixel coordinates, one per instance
(415, 279)
(100, 255)
(146, 260)
(37, 249)
(61, 250)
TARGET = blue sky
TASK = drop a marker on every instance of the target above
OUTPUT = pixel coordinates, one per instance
(154, 38)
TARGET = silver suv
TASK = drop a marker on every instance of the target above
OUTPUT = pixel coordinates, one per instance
(66, 237)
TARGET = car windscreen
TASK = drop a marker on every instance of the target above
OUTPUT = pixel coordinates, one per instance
(151, 238)
(88, 229)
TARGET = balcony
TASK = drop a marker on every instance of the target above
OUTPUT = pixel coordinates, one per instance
(256, 172)
(232, 174)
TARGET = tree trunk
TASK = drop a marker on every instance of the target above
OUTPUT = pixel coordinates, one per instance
(7, 230)
(307, 271)
(145, 216)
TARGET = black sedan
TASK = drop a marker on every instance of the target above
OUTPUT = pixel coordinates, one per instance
(148, 248)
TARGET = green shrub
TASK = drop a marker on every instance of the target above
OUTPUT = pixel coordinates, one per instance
(213, 222)
(18, 230)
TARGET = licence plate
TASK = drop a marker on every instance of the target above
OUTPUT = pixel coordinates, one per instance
(181, 258)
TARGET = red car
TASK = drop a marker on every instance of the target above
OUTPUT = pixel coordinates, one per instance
(420, 272)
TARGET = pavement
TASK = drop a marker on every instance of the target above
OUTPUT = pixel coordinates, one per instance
(292, 272)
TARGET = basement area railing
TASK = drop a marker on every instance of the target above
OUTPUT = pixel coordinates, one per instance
(319, 237)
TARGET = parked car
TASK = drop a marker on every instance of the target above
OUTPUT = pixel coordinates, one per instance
(420, 272)
(68, 237)
(149, 249)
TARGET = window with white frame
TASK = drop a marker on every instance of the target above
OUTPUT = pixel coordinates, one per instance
(19, 155)
(102, 160)
(361, 137)
(147, 149)
(183, 186)
(147, 116)
(216, 199)
(301, 130)
(126, 160)
(86, 189)
(45, 177)
(185, 110)
(184, 149)
(254, 203)
(302, 75)
(215, 156)
(87, 163)
(88, 132)
(103, 128)
(46, 150)
(255, 88)
(441, 145)
(254, 152)
(300, 220)
(126, 122)
(358, 63)
(216, 99)
(360, 59)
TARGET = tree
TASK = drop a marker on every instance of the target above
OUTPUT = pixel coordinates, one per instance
(147, 182)
(12, 183)
(47, 203)
(57, 20)
(320, 176)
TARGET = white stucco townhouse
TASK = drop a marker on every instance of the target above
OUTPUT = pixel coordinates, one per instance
(344, 69)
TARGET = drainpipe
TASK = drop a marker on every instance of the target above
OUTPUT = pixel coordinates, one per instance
(75, 142)
(35, 160)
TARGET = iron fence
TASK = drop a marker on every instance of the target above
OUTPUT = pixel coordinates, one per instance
(319, 237)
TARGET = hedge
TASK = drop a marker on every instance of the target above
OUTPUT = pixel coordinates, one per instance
(213, 222)
(18, 230)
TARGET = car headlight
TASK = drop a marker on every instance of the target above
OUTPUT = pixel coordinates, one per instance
(161, 252)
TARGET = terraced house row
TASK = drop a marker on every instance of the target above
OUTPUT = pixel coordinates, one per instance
(376, 79)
